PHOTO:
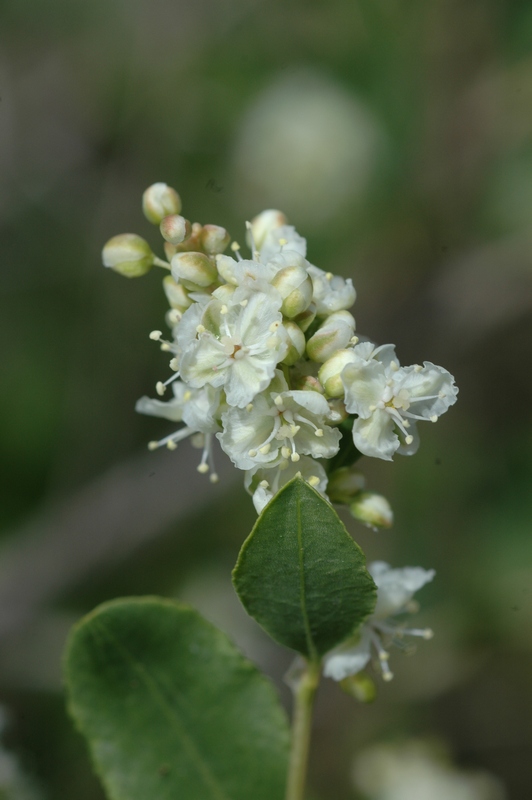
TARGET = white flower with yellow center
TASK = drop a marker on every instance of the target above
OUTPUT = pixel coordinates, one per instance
(395, 590)
(279, 426)
(236, 346)
(389, 399)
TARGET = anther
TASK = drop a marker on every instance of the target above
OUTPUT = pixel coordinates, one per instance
(329, 276)
(252, 453)
(224, 309)
(171, 445)
(264, 485)
(428, 633)
(295, 457)
(282, 242)
(235, 247)
(409, 439)
(434, 418)
(200, 329)
(313, 480)
(160, 388)
(354, 340)
(387, 676)
(278, 401)
(213, 477)
(249, 407)
(153, 445)
(285, 452)
(265, 450)
(156, 335)
(166, 348)
(187, 395)
(203, 468)
(243, 303)
(273, 327)
(417, 368)
(318, 432)
(174, 364)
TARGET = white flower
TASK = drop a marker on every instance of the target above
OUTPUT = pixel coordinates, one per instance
(417, 770)
(263, 484)
(395, 589)
(236, 346)
(388, 400)
(280, 240)
(199, 409)
(279, 426)
(331, 292)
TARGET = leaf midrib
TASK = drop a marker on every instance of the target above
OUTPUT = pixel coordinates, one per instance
(302, 589)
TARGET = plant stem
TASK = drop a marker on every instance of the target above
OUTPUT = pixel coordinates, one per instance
(301, 726)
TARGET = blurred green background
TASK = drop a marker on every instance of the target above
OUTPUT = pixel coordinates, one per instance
(397, 137)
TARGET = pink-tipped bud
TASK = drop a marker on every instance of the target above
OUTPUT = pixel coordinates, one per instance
(160, 200)
(175, 229)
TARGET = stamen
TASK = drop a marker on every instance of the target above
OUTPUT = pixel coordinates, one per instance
(285, 452)
(318, 432)
(171, 445)
(203, 468)
(329, 276)
(434, 418)
(252, 453)
(243, 303)
(200, 328)
(313, 480)
(156, 335)
(265, 450)
(354, 340)
(278, 401)
(174, 364)
(166, 347)
(160, 388)
(409, 439)
(254, 250)
(235, 246)
(282, 242)
(264, 485)
(224, 309)
(249, 407)
(213, 477)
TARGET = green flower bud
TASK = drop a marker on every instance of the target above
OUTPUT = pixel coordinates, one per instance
(214, 239)
(359, 686)
(175, 229)
(306, 318)
(332, 335)
(372, 509)
(307, 383)
(176, 294)
(344, 484)
(296, 341)
(160, 200)
(195, 268)
(265, 222)
(128, 254)
(295, 287)
(330, 372)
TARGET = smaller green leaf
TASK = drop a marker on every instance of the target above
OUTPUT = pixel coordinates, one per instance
(171, 709)
(301, 575)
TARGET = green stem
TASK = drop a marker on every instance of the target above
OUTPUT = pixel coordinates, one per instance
(301, 726)
(158, 262)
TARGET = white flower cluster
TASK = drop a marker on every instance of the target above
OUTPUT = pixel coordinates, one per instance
(265, 357)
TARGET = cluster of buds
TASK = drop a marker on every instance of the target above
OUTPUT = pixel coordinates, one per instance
(264, 359)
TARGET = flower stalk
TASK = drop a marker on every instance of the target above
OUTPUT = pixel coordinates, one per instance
(304, 694)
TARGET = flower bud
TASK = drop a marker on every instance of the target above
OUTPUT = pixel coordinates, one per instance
(360, 686)
(332, 335)
(344, 484)
(307, 383)
(295, 287)
(306, 318)
(176, 294)
(194, 267)
(338, 412)
(128, 254)
(330, 372)
(296, 343)
(262, 224)
(214, 239)
(175, 228)
(372, 509)
(226, 267)
(160, 200)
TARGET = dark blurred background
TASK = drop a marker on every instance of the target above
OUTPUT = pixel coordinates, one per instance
(397, 137)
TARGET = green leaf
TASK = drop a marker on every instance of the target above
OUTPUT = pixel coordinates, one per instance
(171, 709)
(301, 575)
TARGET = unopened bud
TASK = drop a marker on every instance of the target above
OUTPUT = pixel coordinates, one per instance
(128, 254)
(296, 343)
(160, 200)
(176, 294)
(372, 509)
(337, 411)
(359, 686)
(345, 484)
(175, 228)
(306, 318)
(334, 334)
(226, 267)
(295, 287)
(225, 292)
(195, 268)
(214, 239)
(307, 383)
(263, 223)
(330, 372)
